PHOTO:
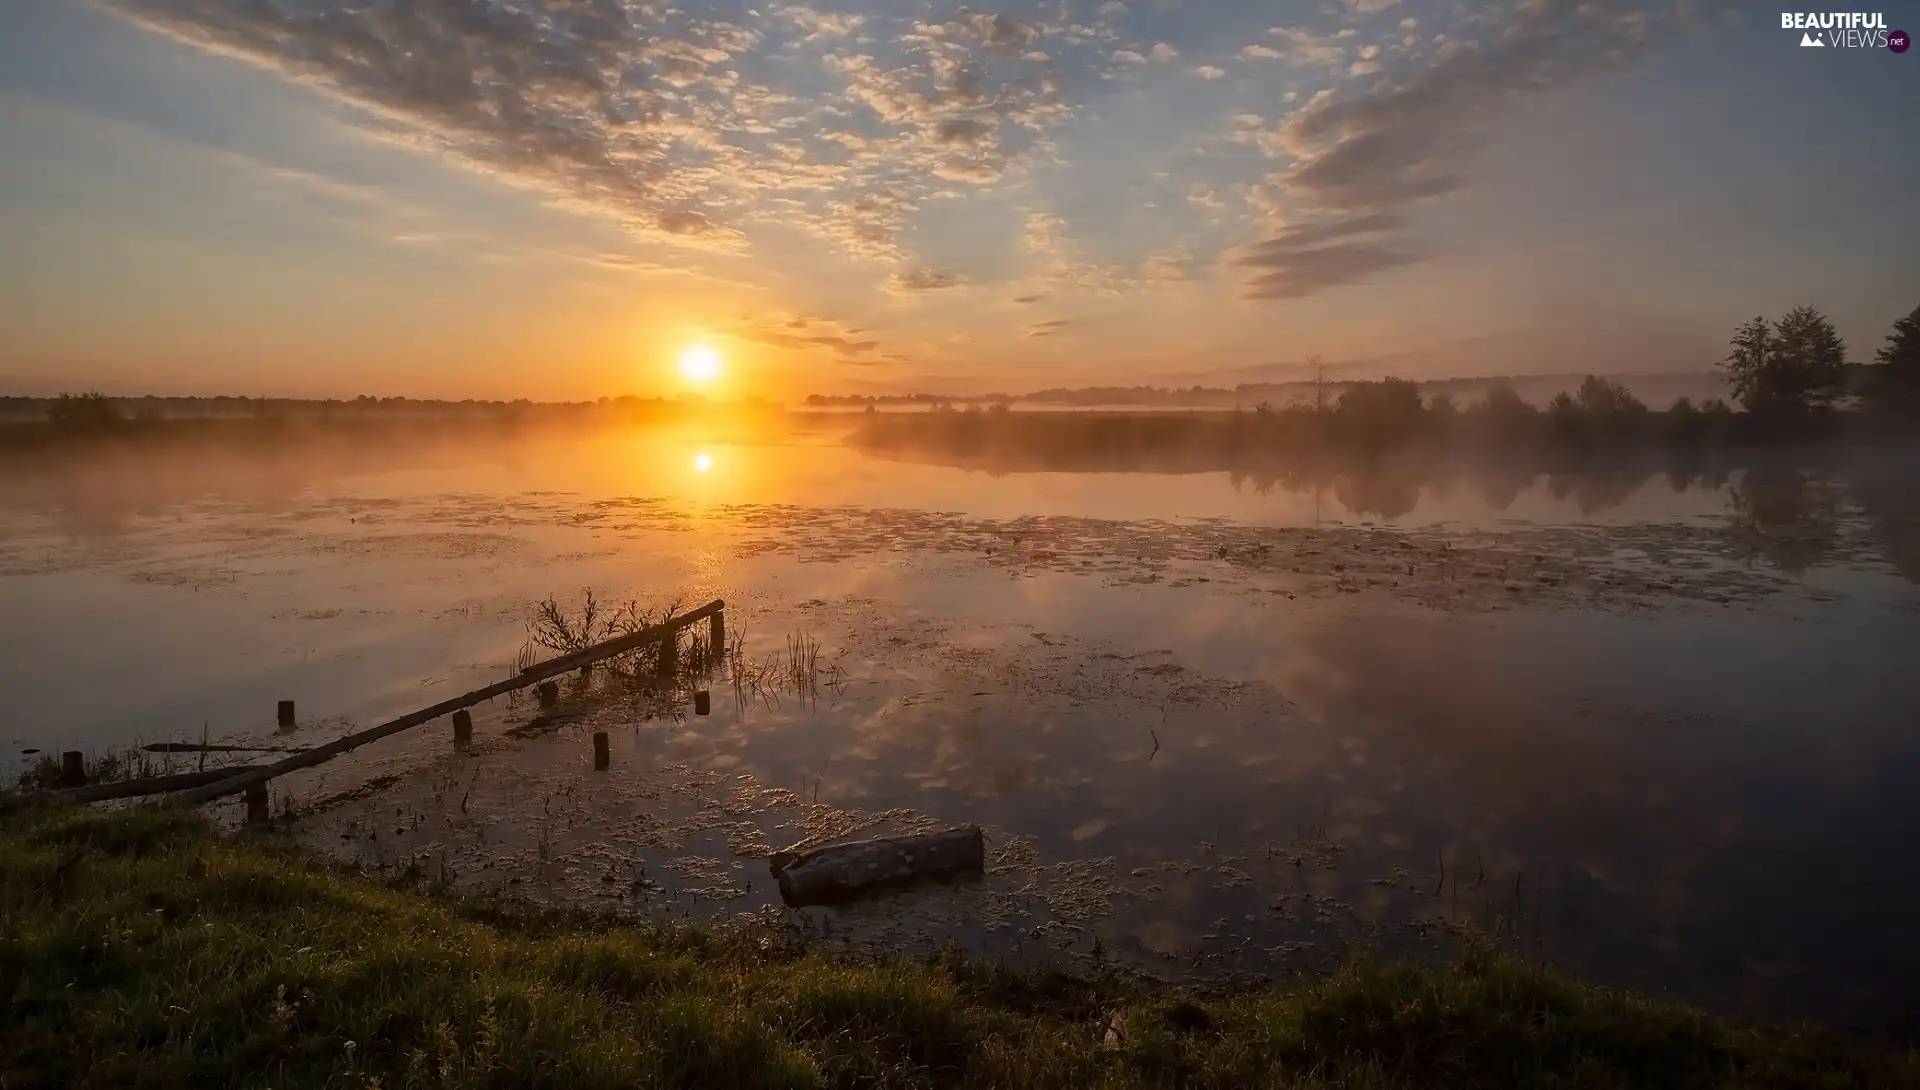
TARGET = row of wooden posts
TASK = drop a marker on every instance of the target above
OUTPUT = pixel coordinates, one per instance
(193, 788)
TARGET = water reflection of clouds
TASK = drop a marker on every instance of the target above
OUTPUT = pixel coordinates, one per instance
(1634, 785)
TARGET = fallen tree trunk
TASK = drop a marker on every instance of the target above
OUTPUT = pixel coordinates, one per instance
(841, 872)
(124, 789)
(531, 675)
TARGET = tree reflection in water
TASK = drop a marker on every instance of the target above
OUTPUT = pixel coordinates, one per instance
(1785, 516)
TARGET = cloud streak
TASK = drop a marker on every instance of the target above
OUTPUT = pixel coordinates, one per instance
(1362, 157)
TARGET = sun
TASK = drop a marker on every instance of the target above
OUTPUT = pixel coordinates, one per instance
(700, 365)
(702, 462)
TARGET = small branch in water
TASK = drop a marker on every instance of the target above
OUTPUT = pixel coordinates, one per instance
(1441, 884)
(1156, 744)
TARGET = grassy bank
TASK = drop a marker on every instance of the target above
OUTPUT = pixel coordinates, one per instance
(150, 951)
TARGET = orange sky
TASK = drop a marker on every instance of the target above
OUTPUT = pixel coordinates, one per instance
(538, 200)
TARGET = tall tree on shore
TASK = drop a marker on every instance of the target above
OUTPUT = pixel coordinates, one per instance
(1796, 365)
(1746, 365)
(1810, 357)
(1893, 383)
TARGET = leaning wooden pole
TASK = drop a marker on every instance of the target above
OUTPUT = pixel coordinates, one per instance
(121, 789)
(531, 675)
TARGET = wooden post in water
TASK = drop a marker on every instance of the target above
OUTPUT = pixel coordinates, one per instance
(702, 702)
(462, 727)
(549, 694)
(257, 804)
(73, 769)
(539, 671)
(601, 758)
(286, 713)
(716, 640)
(669, 652)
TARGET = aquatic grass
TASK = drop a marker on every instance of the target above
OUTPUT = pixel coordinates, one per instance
(110, 765)
(796, 670)
(142, 948)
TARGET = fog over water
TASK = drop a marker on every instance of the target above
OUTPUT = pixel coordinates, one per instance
(1652, 720)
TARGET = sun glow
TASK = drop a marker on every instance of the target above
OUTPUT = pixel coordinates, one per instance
(700, 365)
(702, 462)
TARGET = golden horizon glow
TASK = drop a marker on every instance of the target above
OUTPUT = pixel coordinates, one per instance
(700, 365)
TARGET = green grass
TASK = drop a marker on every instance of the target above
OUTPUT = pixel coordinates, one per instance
(146, 949)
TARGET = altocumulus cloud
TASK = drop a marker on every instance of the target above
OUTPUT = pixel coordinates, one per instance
(697, 130)
(642, 110)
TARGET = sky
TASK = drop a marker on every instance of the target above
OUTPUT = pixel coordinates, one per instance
(553, 198)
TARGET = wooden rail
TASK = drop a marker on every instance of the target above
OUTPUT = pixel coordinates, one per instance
(664, 632)
(120, 789)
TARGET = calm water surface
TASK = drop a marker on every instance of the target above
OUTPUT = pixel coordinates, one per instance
(1659, 729)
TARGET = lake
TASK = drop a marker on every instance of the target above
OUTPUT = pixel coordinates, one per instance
(1658, 727)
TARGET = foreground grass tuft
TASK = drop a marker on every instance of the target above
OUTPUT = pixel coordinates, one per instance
(144, 949)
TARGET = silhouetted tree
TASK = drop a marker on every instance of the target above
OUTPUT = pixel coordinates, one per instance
(1746, 365)
(1810, 358)
(1565, 420)
(1795, 366)
(1605, 397)
(90, 410)
(1377, 414)
(1893, 381)
(1502, 417)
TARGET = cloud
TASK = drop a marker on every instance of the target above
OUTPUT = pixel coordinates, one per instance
(1208, 71)
(1128, 56)
(640, 110)
(599, 104)
(1290, 273)
(802, 333)
(1048, 328)
(962, 130)
(1028, 299)
(1360, 158)
(819, 25)
(1304, 47)
(1261, 52)
(1408, 138)
(923, 280)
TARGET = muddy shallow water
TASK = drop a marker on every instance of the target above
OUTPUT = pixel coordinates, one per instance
(1211, 730)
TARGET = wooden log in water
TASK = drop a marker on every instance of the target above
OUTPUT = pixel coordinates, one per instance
(124, 789)
(601, 756)
(73, 769)
(539, 671)
(284, 713)
(702, 702)
(716, 640)
(842, 872)
(462, 727)
(549, 694)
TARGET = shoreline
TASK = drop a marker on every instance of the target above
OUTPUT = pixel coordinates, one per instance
(148, 948)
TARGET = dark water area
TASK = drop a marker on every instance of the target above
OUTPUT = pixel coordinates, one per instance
(1656, 727)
